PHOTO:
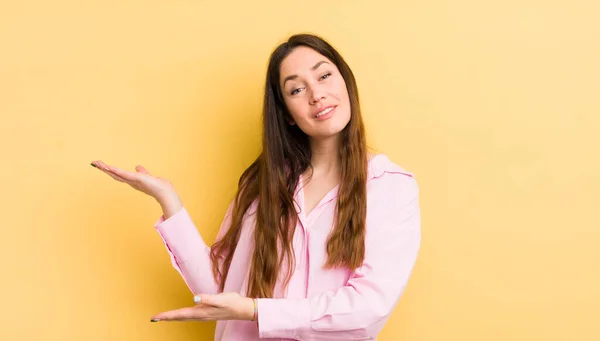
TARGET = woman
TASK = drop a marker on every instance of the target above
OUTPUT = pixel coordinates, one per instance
(321, 237)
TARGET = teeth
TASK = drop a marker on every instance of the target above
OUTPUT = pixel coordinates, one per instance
(324, 112)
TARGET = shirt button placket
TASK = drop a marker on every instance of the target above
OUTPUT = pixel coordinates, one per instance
(301, 263)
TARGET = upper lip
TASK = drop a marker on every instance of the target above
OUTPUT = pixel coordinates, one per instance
(316, 112)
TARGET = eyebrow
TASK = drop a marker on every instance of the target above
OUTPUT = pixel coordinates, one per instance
(316, 66)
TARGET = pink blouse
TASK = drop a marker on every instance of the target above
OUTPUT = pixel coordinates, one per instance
(318, 304)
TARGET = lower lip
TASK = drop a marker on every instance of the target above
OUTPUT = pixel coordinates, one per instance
(326, 116)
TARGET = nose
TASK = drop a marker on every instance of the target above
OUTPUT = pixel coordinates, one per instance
(316, 95)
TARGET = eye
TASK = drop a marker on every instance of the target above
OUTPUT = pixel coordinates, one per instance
(295, 91)
(326, 75)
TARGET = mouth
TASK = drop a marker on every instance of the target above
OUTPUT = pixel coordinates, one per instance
(325, 113)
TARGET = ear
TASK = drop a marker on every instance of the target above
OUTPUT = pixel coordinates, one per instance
(291, 122)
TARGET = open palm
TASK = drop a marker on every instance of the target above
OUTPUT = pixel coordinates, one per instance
(140, 180)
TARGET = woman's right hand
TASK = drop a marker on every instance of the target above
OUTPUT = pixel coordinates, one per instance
(160, 189)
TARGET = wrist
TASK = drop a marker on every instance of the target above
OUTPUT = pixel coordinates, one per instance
(250, 312)
(170, 204)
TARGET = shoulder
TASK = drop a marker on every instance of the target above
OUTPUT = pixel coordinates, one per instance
(387, 181)
(380, 164)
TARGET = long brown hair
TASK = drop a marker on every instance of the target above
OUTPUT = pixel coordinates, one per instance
(273, 177)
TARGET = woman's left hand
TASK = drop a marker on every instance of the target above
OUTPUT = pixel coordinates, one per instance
(225, 306)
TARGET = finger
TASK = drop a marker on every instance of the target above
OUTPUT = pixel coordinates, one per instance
(127, 175)
(141, 169)
(101, 166)
(210, 300)
(116, 177)
(183, 314)
(130, 176)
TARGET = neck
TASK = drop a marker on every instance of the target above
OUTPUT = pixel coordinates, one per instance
(326, 156)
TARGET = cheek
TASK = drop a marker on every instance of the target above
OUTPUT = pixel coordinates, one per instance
(344, 98)
(340, 91)
(295, 109)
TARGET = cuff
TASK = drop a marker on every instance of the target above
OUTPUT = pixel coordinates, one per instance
(283, 318)
(179, 234)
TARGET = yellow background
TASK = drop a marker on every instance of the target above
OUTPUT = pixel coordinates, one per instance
(494, 105)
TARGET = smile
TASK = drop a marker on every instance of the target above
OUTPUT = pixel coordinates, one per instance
(325, 113)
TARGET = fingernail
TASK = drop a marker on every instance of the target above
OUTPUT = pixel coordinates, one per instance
(196, 299)
(93, 165)
(154, 320)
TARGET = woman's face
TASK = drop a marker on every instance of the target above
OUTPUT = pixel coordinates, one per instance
(315, 93)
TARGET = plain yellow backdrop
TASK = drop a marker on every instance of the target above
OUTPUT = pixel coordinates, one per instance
(495, 106)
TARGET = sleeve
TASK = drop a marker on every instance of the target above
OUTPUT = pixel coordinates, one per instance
(189, 253)
(359, 310)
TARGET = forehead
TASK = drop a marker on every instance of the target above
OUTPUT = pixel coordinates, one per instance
(300, 60)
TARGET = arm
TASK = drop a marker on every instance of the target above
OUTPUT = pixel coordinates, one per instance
(359, 310)
(189, 253)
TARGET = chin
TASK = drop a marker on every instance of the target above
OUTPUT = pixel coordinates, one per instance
(337, 127)
(330, 131)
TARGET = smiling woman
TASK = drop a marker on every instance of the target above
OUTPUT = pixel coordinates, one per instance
(321, 238)
(315, 94)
